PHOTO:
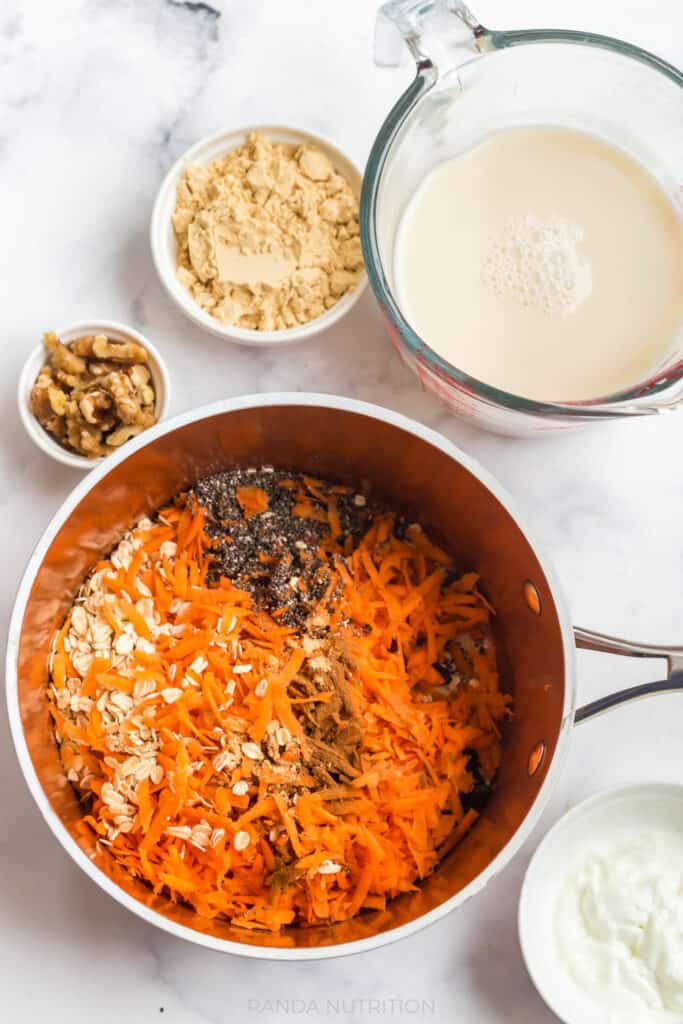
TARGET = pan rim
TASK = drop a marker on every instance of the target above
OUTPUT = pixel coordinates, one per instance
(253, 401)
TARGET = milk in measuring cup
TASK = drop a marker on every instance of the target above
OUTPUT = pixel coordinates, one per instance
(544, 261)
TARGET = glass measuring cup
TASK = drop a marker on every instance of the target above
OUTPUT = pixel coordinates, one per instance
(471, 81)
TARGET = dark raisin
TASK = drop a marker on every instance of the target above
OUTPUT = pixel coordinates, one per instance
(480, 792)
(444, 671)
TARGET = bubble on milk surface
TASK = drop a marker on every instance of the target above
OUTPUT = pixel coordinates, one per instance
(536, 262)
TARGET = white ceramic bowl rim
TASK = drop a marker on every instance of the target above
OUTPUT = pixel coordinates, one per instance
(36, 360)
(74, 851)
(220, 143)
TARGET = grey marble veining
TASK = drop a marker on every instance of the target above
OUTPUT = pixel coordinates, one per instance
(96, 101)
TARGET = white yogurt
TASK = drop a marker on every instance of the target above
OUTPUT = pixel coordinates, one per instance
(619, 920)
(601, 909)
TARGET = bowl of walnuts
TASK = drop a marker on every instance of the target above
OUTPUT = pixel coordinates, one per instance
(90, 388)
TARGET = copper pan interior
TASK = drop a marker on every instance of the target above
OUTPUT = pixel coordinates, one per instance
(413, 477)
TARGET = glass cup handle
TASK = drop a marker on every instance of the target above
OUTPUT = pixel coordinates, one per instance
(436, 32)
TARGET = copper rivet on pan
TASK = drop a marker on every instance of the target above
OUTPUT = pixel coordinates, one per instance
(532, 597)
(536, 758)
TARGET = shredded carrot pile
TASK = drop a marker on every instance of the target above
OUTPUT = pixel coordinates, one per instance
(192, 726)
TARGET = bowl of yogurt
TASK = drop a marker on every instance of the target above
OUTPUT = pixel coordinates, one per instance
(601, 909)
(522, 221)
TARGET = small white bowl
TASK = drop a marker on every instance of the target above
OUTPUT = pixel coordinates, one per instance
(653, 805)
(163, 240)
(34, 363)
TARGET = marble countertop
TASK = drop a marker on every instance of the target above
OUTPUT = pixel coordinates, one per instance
(96, 100)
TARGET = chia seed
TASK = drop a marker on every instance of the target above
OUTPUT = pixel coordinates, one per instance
(264, 552)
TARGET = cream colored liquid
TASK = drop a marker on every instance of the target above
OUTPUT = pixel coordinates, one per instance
(545, 262)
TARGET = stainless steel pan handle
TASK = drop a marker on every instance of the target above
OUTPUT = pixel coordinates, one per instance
(589, 641)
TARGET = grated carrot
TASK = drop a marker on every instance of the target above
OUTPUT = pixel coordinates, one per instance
(313, 853)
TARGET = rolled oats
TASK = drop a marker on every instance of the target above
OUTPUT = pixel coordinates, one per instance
(79, 620)
(241, 840)
(329, 867)
(178, 831)
(226, 759)
(252, 751)
(216, 836)
(144, 688)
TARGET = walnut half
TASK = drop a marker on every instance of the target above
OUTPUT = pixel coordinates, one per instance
(121, 434)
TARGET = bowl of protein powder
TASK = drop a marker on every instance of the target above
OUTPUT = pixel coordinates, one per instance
(254, 235)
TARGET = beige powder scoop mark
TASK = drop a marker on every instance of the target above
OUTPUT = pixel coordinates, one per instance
(236, 267)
